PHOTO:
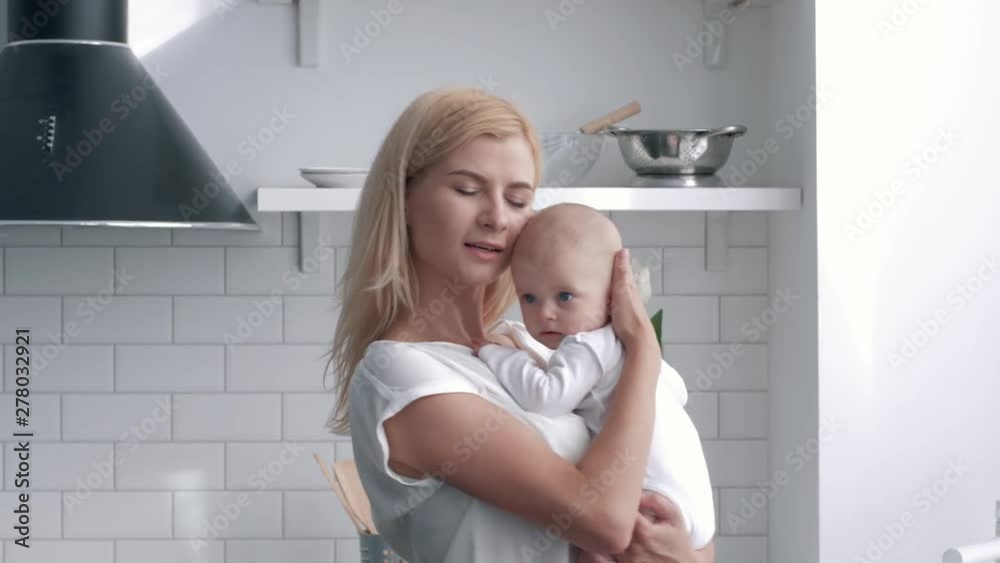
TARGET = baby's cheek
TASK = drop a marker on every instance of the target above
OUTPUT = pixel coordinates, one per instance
(520, 221)
(591, 319)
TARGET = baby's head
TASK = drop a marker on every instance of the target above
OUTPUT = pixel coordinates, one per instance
(561, 265)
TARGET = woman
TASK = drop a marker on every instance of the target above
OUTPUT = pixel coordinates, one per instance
(454, 468)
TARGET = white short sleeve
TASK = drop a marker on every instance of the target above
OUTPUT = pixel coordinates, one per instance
(390, 376)
(429, 519)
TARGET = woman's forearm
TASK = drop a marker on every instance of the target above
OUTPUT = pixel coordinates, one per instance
(616, 460)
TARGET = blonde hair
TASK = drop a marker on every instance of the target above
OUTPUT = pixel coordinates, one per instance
(380, 282)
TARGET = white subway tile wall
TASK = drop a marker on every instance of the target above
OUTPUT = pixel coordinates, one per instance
(176, 403)
(108, 236)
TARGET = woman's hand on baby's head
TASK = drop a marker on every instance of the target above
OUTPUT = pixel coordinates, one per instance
(628, 313)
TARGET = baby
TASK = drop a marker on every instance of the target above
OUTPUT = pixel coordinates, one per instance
(567, 358)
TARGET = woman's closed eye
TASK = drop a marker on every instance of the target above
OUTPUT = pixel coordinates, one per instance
(515, 202)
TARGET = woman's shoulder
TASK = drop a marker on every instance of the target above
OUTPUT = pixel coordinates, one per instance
(393, 366)
(384, 358)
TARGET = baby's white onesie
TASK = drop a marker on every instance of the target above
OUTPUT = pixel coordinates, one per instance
(581, 376)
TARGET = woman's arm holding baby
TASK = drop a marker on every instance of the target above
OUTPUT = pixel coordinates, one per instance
(538, 484)
(661, 538)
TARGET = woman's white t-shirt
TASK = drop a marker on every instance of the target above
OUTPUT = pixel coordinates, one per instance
(424, 520)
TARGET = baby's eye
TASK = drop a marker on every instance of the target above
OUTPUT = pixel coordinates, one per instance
(529, 298)
(565, 296)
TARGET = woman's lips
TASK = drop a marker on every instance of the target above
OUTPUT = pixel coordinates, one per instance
(487, 255)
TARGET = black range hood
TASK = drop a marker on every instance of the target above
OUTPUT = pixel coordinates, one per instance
(86, 135)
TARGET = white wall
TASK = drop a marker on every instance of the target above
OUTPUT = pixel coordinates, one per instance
(793, 479)
(885, 282)
(162, 336)
(226, 75)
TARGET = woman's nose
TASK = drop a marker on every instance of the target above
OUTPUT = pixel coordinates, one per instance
(495, 214)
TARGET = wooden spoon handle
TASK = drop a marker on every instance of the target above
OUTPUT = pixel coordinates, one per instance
(341, 495)
(350, 481)
(624, 112)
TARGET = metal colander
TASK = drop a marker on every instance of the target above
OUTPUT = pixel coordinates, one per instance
(655, 152)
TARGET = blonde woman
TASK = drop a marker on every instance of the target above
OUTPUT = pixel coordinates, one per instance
(455, 470)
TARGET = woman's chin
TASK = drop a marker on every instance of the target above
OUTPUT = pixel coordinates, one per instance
(480, 274)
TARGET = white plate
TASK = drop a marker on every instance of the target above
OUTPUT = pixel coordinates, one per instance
(335, 177)
(327, 170)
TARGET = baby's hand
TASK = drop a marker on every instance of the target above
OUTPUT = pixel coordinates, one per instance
(503, 340)
(499, 339)
(587, 557)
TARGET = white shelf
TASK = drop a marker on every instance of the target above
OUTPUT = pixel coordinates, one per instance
(311, 202)
(603, 198)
